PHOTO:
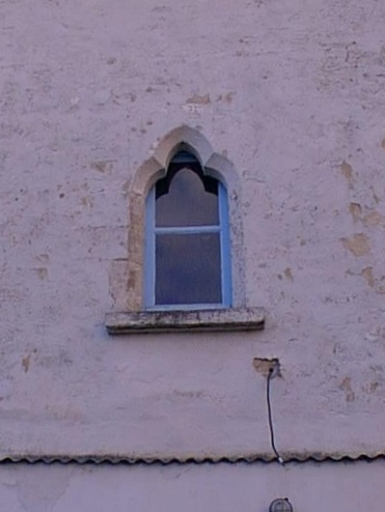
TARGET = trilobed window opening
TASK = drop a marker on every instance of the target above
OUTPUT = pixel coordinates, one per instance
(187, 239)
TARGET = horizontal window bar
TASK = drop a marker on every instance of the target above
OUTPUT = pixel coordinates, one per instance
(187, 230)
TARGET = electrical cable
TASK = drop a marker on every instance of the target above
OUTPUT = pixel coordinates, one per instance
(270, 416)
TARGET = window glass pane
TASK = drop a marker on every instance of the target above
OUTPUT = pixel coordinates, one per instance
(187, 203)
(188, 269)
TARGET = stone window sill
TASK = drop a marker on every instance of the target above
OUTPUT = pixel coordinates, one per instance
(232, 319)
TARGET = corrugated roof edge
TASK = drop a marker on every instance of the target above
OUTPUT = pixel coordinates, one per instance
(204, 459)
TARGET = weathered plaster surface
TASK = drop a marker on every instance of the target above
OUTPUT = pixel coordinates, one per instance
(348, 487)
(293, 94)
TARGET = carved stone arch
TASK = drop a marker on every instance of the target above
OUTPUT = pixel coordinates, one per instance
(214, 164)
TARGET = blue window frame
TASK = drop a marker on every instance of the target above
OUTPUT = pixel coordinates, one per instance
(187, 252)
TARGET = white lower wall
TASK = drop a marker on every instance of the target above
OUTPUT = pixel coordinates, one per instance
(311, 487)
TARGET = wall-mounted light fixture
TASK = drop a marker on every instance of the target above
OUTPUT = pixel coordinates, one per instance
(281, 505)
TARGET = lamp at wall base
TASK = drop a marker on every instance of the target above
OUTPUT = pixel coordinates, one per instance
(281, 505)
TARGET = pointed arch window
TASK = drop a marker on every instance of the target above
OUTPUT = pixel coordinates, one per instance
(187, 249)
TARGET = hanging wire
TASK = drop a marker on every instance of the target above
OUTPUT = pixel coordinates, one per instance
(271, 425)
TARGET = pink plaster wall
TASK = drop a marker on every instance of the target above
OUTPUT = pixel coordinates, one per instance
(293, 93)
(342, 487)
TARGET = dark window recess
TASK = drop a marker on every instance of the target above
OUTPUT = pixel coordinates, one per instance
(188, 269)
(187, 235)
(186, 203)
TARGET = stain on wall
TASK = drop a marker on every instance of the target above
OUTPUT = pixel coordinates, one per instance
(358, 244)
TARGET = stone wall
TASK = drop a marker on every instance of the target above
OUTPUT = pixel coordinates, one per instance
(292, 93)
